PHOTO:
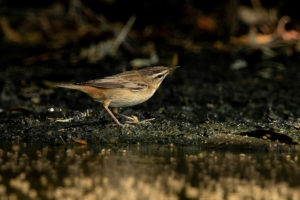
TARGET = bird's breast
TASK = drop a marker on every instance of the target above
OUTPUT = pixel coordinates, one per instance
(126, 98)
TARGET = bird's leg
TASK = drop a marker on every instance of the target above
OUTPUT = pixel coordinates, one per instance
(106, 104)
(132, 120)
(115, 111)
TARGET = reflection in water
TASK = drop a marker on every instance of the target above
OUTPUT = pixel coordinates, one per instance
(145, 172)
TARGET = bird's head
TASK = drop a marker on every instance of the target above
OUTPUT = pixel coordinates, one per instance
(155, 75)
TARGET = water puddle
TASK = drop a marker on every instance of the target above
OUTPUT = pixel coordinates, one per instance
(145, 172)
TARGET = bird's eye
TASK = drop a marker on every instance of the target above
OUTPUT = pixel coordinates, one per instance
(160, 76)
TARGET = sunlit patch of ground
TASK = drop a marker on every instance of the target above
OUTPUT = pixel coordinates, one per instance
(146, 172)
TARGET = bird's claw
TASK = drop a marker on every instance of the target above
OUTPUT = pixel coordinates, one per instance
(135, 120)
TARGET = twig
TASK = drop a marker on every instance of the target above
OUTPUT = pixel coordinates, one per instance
(122, 35)
(62, 140)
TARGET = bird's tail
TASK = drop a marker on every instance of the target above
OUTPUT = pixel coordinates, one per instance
(70, 86)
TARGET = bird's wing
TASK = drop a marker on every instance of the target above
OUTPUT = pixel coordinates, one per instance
(114, 82)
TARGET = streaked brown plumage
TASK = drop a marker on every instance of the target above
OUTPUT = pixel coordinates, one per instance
(125, 89)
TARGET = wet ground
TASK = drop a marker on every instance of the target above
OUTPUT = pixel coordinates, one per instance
(146, 172)
(203, 98)
(221, 131)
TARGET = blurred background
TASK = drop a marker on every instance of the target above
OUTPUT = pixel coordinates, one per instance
(143, 31)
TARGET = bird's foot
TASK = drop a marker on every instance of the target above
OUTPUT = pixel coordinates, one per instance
(134, 120)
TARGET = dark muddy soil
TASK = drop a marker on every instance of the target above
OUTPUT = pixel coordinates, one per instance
(221, 131)
(204, 99)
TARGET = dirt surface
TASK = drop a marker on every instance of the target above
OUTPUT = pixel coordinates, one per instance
(202, 102)
(221, 131)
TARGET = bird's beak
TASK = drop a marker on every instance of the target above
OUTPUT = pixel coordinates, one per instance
(173, 68)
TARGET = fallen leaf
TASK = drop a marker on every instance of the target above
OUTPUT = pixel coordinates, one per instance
(83, 142)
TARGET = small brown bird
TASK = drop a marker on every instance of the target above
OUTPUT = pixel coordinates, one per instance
(125, 89)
